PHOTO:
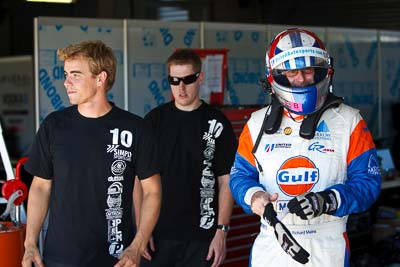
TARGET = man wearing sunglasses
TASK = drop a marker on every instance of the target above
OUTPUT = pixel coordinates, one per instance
(197, 146)
(308, 154)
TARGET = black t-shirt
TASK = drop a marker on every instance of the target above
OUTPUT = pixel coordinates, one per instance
(195, 148)
(92, 163)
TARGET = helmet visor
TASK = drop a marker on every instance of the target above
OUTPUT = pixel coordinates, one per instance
(281, 76)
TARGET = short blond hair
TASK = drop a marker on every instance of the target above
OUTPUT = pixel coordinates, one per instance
(100, 57)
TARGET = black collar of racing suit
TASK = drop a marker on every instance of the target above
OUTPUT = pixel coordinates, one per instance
(272, 121)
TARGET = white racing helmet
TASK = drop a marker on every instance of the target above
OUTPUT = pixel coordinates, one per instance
(296, 49)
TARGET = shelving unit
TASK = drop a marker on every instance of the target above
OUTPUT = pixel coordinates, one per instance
(361, 230)
(391, 183)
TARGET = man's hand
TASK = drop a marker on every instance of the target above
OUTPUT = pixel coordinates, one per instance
(130, 257)
(146, 253)
(217, 248)
(284, 237)
(32, 255)
(259, 200)
(311, 205)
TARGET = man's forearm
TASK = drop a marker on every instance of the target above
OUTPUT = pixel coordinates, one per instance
(225, 200)
(137, 200)
(38, 204)
(150, 209)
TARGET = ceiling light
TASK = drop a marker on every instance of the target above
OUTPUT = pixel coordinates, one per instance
(53, 1)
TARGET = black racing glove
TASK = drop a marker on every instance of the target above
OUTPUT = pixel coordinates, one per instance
(284, 237)
(311, 205)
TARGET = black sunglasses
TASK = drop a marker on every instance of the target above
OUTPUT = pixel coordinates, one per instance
(186, 80)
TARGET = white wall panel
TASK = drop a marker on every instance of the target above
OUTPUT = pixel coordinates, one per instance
(54, 33)
(246, 59)
(356, 71)
(150, 43)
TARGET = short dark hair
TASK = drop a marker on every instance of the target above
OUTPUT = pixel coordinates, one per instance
(185, 56)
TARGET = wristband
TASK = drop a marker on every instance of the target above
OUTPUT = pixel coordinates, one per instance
(223, 227)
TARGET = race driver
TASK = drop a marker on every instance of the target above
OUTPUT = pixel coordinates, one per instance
(308, 154)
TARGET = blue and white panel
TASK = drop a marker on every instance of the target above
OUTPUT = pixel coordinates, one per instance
(17, 104)
(150, 43)
(273, 30)
(55, 33)
(355, 54)
(246, 59)
(390, 77)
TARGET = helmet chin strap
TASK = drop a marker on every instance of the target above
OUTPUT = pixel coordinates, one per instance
(309, 124)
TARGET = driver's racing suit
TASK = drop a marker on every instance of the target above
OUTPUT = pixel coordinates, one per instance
(341, 157)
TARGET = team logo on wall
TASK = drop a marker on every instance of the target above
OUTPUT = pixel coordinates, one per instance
(297, 175)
